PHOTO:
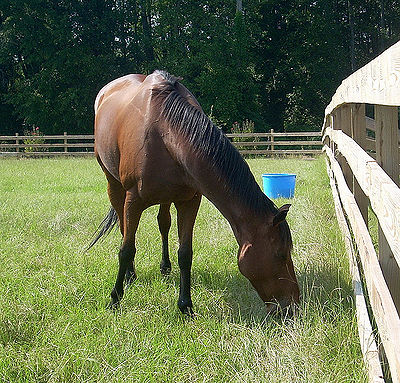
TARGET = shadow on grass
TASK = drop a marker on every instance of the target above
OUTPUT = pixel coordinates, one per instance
(324, 293)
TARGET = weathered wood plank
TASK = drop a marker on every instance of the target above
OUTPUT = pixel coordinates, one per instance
(56, 145)
(345, 126)
(370, 123)
(229, 135)
(291, 134)
(52, 137)
(17, 143)
(299, 134)
(239, 135)
(386, 133)
(369, 348)
(385, 197)
(369, 144)
(278, 152)
(45, 154)
(377, 83)
(359, 135)
(383, 193)
(385, 312)
(387, 148)
(278, 143)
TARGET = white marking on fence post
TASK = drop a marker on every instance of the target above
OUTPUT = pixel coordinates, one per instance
(65, 143)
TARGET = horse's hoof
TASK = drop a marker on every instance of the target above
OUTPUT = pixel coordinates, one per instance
(115, 299)
(113, 305)
(165, 270)
(165, 267)
(188, 313)
(186, 309)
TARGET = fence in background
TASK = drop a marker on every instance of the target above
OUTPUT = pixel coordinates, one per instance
(47, 146)
(363, 165)
(300, 143)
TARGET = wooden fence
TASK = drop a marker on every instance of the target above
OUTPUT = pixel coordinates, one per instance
(364, 171)
(42, 146)
(300, 143)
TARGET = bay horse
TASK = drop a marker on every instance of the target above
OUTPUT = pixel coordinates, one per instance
(156, 146)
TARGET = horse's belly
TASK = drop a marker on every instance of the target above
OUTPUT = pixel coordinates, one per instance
(157, 177)
(164, 182)
(154, 192)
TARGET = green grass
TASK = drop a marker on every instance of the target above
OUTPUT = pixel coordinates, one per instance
(54, 325)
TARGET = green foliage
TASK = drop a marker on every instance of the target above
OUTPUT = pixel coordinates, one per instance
(246, 126)
(276, 63)
(35, 137)
(54, 326)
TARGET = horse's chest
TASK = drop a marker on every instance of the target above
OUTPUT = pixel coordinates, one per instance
(164, 182)
(159, 178)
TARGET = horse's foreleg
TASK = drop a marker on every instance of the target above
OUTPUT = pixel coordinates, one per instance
(132, 212)
(164, 224)
(187, 212)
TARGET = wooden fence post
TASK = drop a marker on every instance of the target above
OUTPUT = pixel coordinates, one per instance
(359, 135)
(330, 143)
(387, 156)
(342, 121)
(345, 119)
(65, 143)
(272, 139)
(17, 142)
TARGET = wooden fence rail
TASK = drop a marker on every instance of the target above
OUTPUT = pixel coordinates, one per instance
(363, 163)
(298, 143)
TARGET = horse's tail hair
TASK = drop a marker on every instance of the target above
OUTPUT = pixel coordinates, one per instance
(105, 226)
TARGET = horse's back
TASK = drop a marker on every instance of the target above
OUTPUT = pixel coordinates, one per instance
(129, 143)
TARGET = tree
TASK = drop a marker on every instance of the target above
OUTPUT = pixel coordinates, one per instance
(276, 63)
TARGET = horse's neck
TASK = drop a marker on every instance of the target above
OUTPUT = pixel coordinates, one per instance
(209, 179)
(240, 218)
(208, 182)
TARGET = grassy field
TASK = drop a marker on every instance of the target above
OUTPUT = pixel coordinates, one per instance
(54, 326)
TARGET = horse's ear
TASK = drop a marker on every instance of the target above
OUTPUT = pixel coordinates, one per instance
(281, 214)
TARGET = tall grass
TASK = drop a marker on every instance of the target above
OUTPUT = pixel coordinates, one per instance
(53, 322)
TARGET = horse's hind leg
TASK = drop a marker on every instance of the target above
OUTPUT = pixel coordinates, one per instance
(187, 212)
(132, 213)
(117, 195)
(164, 224)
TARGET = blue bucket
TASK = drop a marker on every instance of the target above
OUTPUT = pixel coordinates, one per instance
(279, 185)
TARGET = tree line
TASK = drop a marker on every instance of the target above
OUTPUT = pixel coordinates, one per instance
(271, 62)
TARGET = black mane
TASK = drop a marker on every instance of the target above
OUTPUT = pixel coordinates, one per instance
(211, 143)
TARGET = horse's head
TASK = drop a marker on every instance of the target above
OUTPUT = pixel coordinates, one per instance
(266, 263)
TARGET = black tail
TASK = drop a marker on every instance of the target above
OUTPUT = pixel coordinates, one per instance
(106, 226)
